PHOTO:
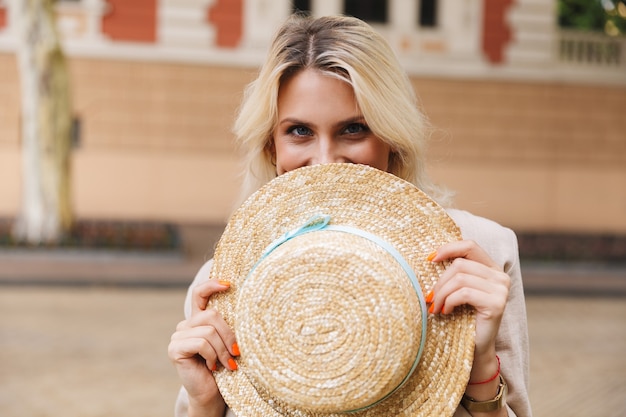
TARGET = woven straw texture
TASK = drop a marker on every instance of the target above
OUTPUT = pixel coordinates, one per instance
(328, 322)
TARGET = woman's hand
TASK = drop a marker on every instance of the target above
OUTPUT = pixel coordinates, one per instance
(473, 278)
(198, 345)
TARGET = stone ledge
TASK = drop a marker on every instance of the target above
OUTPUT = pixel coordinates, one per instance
(572, 247)
(112, 235)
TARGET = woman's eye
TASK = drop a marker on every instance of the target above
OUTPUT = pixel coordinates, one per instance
(355, 128)
(300, 131)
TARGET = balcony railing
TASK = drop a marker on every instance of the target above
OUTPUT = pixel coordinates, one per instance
(591, 49)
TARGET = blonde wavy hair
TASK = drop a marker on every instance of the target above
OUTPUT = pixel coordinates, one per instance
(350, 49)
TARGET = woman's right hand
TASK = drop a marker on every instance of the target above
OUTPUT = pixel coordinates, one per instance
(199, 345)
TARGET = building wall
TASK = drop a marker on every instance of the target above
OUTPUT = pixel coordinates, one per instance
(131, 21)
(156, 144)
(3, 17)
(536, 156)
(496, 31)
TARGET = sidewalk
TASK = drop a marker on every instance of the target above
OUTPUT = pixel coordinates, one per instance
(101, 351)
(107, 267)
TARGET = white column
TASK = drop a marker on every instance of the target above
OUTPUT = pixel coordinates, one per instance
(326, 7)
(261, 20)
(12, 14)
(403, 15)
(461, 21)
(184, 23)
(533, 23)
(94, 11)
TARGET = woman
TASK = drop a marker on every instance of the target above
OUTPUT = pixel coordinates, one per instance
(331, 90)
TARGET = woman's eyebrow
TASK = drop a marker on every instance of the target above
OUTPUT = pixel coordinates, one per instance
(297, 121)
(354, 119)
(293, 120)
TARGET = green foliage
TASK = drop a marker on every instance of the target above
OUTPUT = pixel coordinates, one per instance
(608, 16)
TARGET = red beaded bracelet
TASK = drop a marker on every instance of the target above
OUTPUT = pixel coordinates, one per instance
(490, 379)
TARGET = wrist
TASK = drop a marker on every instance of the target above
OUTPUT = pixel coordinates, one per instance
(485, 367)
(486, 391)
(206, 407)
(206, 412)
(496, 404)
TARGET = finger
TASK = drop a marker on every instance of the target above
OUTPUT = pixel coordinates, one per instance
(204, 341)
(213, 318)
(463, 275)
(459, 284)
(468, 258)
(467, 249)
(460, 270)
(468, 266)
(194, 370)
(216, 349)
(489, 308)
(184, 348)
(182, 325)
(201, 293)
(488, 300)
(210, 317)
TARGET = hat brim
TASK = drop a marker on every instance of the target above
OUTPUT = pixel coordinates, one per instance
(381, 204)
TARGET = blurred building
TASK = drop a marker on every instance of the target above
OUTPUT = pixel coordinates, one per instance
(530, 118)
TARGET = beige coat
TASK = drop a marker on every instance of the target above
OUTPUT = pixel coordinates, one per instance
(512, 341)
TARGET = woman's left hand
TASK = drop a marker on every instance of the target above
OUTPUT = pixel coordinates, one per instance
(472, 278)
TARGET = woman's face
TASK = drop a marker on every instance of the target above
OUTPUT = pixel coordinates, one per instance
(319, 122)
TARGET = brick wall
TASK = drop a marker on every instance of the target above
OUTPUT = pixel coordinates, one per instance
(523, 122)
(536, 156)
(156, 144)
(138, 106)
(9, 100)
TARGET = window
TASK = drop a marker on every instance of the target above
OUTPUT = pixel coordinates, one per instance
(427, 14)
(301, 6)
(373, 11)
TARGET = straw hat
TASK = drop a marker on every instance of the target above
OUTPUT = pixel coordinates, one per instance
(328, 273)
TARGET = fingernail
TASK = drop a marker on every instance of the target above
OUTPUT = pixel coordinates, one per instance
(430, 296)
(232, 364)
(236, 349)
(431, 309)
(224, 283)
(214, 367)
(443, 309)
(431, 256)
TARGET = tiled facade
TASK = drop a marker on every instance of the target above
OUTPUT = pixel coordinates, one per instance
(533, 153)
(535, 156)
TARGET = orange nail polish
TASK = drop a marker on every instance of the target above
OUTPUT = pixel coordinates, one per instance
(431, 256)
(214, 367)
(430, 296)
(236, 349)
(224, 283)
(431, 309)
(232, 364)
